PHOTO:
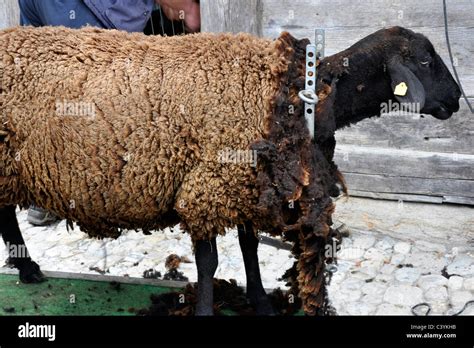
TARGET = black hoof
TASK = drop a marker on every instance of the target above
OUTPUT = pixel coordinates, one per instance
(31, 273)
(204, 312)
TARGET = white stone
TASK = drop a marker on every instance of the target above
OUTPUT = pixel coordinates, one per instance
(376, 254)
(428, 246)
(403, 295)
(370, 267)
(372, 299)
(385, 244)
(436, 294)
(384, 278)
(459, 297)
(427, 262)
(439, 308)
(362, 275)
(360, 308)
(351, 284)
(455, 283)
(463, 265)
(337, 278)
(52, 252)
(407, 275)
(397, 259)
(363, 241)
(374, 288)
(350, 253)
(390, 309)
(402, 248)
(346, 242)
(388, 269)
(468, 284)
(346, 296)
(432, 280)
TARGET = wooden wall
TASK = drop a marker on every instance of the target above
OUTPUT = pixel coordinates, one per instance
(9, 13)
(414, 157)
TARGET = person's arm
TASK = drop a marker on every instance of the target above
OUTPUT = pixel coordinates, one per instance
(187, 10)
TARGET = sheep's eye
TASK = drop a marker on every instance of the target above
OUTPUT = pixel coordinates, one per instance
(425, 63)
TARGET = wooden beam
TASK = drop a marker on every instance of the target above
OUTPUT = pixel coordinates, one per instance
(410, 188)
(105, 278)
(405, 163)
(9, 14)
(232, 16)
(413, 132)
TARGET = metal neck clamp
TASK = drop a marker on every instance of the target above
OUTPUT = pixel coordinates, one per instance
(308, 95)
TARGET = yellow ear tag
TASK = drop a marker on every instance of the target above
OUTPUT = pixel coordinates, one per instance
(401, 89)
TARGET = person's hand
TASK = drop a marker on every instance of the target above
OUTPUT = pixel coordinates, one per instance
(187, 10)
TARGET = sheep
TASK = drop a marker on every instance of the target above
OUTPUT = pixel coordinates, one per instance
(352, 85)
(149, 150)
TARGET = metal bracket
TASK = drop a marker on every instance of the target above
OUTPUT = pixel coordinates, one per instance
(320, 42)
(308, 95)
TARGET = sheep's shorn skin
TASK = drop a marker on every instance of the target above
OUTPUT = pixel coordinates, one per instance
(147, 154)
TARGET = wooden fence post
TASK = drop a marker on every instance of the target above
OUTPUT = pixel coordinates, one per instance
(232, 16)
(9, 14)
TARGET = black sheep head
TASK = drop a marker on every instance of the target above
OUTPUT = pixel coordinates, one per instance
(392, 66)
(429, 82)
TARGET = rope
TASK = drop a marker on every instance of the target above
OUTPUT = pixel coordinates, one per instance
(451, 55)
(425, 304)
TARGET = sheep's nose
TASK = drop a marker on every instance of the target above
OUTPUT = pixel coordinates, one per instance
(457, 93)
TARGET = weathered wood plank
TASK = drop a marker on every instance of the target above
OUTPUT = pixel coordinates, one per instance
(412, 198)
(105, 278)
(410, 185)
(231, 16)
(416, 132)
(9, 14)
(364, 13)
(405, 163)
(397, 196)
(458, 200)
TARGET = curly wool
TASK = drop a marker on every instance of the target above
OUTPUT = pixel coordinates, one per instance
(164, 108)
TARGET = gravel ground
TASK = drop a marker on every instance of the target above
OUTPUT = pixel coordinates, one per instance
(382, 270)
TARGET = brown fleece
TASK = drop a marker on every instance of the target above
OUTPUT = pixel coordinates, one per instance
(151, 154)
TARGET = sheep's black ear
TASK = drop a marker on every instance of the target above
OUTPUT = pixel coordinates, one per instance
(406, 87)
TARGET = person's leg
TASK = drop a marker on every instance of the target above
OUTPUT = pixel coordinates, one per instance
(40, 217)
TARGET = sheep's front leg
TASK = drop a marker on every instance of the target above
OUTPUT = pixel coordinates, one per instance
(19, 256)
(255, 291)
(206, 261)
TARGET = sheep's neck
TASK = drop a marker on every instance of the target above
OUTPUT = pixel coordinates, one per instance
(363, 85)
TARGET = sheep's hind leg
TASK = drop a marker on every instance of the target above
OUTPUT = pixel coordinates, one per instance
(19, 256)
(206, 261)
(255, 291)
